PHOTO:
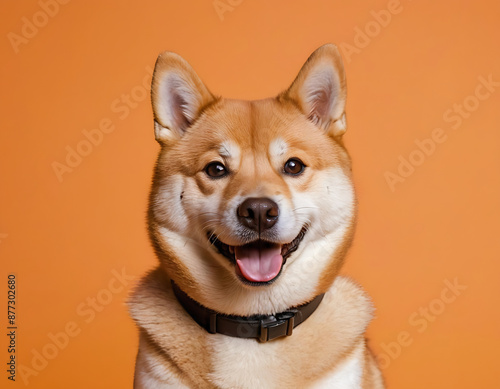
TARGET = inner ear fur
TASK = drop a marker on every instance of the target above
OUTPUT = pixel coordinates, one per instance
(319, 90)
(178, 96)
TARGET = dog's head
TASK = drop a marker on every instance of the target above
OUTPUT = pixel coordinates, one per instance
(252, 206)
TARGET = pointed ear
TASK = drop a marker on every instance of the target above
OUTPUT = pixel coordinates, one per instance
(320, 91)
(178, 95)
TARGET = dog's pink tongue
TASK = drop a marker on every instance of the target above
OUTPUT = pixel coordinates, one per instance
(258, 263)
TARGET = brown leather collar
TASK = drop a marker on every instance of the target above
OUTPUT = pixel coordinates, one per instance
(261, 327)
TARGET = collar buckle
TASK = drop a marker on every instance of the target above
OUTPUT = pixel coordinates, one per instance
(281, 324)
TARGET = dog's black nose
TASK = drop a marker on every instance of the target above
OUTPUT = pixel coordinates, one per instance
(258, 214)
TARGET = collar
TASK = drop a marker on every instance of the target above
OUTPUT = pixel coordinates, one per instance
(261, 327)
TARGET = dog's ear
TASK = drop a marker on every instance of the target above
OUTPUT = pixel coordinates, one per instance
(320, 90)
(178, 95)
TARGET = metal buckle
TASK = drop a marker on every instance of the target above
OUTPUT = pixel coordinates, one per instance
(273, 327)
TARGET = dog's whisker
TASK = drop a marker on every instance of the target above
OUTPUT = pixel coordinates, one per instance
(310, 207)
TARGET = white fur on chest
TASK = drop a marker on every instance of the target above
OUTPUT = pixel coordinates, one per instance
(242, 364)
(348, 375)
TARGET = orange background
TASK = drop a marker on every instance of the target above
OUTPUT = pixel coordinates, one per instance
(63, 239)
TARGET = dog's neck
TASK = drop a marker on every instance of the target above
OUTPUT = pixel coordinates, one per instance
(261, 327)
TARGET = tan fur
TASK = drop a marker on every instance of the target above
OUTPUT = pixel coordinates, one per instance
(253, 139)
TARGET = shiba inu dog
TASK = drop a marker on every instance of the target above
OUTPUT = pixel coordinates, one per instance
(251, 213)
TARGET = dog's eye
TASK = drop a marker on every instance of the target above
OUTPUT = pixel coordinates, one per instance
(216, 170)
(294, 167)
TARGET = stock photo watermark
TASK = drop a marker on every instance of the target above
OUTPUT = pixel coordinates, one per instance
(363, 36)
(121, 106)
(11, 328)
(419, 322)
(31, 26)
(223, 6)
(454, 116)
(86, 311)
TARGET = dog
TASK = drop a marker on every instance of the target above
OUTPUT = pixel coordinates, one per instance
(251, 213)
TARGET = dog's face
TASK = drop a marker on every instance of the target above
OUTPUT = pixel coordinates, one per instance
(252, 199)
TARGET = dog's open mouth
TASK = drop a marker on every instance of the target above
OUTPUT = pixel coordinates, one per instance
(259, 262)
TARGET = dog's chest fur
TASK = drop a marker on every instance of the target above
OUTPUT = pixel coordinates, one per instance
(175, 351)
